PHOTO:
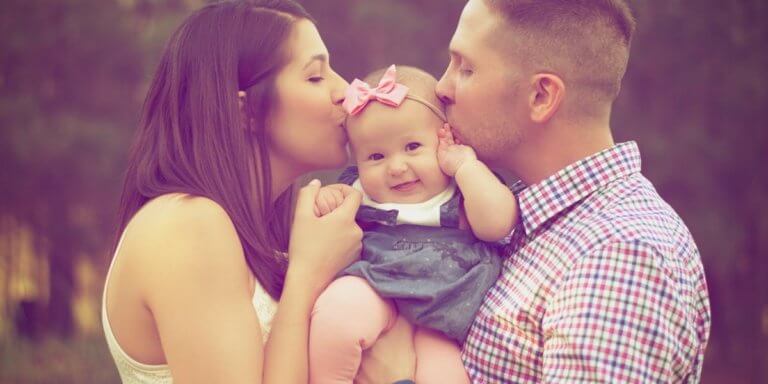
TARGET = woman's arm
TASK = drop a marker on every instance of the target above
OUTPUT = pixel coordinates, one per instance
(196, 285)
(490, 206)
(199, 293)
(319, 248)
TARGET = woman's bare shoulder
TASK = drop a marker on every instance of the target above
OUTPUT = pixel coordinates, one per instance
(176, 208)
(181, 217)
(182, 234)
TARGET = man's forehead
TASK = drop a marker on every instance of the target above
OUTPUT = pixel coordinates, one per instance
(476, 22)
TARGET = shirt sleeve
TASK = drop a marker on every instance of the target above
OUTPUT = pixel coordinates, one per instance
(620, 316)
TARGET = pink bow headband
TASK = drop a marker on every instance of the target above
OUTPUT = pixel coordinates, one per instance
(388, 92)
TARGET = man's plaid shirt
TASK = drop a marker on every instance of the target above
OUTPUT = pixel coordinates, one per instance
(603, 283)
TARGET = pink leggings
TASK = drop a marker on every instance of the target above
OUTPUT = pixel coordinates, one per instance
(348, 318)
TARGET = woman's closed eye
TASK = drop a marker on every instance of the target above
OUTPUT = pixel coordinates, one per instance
(317, 72)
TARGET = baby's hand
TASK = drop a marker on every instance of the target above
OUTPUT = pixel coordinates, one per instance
(451, 155)
(330, 197)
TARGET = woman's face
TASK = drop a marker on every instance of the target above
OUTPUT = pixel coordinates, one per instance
(305, 130)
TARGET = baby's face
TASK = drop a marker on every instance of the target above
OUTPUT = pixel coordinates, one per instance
(396, 152)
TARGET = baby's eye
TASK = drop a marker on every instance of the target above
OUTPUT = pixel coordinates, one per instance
(316, 79)
(375, 156)
(412, 146)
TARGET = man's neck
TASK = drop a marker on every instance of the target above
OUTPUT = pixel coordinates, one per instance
(543, 154)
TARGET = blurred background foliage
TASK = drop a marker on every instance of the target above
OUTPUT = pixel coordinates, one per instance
(73, 75)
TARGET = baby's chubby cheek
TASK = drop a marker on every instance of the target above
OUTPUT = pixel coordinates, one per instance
(373, 184)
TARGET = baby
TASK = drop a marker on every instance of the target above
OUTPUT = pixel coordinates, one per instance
(433, 216)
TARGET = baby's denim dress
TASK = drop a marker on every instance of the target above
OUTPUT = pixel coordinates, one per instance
(437, 274)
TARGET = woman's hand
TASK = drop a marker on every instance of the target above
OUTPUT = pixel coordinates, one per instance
(320, 247)
(451, 155)
(392, 358)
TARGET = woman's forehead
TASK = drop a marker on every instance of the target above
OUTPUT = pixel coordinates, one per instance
(305, 44)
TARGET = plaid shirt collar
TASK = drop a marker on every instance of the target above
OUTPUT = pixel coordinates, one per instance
(542, 201)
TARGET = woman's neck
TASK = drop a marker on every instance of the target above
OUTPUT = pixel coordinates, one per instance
(283, 175)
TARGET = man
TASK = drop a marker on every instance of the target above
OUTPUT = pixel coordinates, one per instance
(603, 281)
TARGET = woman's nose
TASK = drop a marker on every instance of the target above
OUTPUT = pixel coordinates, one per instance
(339, 88)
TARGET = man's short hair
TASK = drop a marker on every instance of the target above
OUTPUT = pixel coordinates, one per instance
(586, 42)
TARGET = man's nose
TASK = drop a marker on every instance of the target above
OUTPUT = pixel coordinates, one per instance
(444, 89)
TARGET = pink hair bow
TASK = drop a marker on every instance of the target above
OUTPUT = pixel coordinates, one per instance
(388, 92)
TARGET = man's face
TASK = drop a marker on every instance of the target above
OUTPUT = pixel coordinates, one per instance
(483, 86)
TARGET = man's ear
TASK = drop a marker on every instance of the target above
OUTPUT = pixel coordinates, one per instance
(547, 93)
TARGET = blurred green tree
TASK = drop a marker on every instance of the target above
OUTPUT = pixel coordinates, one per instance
(72, 77)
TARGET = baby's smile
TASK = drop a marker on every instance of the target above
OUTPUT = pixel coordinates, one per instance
(407, 186)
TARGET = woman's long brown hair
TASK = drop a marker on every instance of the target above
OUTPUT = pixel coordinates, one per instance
(193, 137)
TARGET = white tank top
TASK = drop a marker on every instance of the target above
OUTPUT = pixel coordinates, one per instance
(134, 372)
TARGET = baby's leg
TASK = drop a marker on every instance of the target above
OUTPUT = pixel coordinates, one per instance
(348, 318)
(438, 359)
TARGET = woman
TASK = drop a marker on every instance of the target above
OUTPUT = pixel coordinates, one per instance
(243, 102)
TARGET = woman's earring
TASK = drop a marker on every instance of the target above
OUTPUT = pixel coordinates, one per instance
(241, 105)
(241, 99)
